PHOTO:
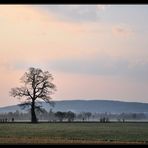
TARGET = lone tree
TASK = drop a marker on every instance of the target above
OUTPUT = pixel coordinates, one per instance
(37, 85)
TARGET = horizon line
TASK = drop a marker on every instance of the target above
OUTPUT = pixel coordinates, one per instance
(113, 100)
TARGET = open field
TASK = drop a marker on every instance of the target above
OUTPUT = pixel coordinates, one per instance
(73, 133)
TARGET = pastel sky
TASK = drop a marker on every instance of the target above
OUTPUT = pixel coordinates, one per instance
(93, 51)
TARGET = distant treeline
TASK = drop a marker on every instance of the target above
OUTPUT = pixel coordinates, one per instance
(71, 116)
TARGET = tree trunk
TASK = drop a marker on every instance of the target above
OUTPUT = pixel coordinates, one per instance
(33, 115)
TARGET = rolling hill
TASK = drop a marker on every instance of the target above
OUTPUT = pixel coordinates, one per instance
(89, 106)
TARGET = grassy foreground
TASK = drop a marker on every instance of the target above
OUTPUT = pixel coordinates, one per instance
(73, 133)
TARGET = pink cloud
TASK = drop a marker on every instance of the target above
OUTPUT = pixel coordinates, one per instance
(122, 30)
(30, 36)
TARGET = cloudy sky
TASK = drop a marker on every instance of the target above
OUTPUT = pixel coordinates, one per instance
(93, 51)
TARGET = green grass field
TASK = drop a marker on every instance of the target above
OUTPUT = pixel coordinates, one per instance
(73, 133)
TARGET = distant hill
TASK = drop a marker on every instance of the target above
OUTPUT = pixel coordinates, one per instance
(89, 106)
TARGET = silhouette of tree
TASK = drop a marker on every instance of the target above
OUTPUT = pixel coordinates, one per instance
(60, 115)
(70, 116)
(37, 86)
(88, 115)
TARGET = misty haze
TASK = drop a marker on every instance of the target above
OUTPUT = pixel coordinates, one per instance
(74, 74)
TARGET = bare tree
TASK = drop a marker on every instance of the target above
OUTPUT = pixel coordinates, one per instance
(70, 116)
(60, 115)
(88, 115)
(37, 86)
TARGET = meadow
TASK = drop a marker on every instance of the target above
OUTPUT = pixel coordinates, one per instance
(74, 133)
